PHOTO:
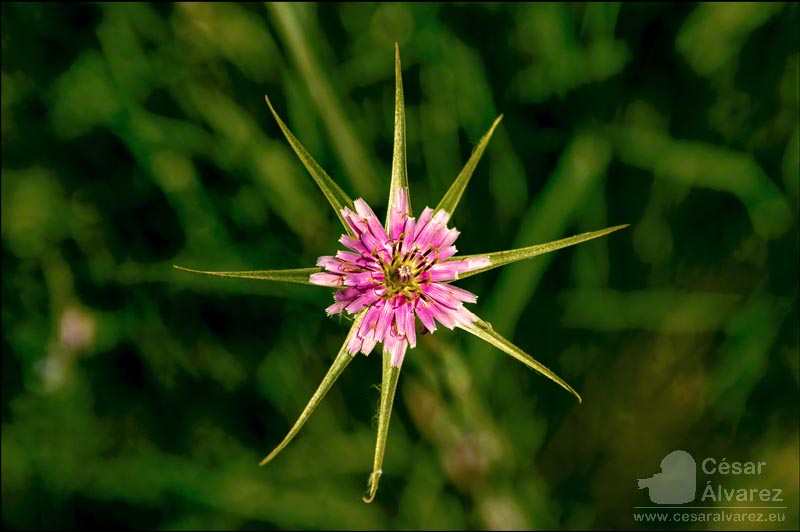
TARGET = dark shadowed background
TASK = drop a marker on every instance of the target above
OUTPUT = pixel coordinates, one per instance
(136, 136)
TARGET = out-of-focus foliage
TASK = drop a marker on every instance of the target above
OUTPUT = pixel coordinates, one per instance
(136, 136)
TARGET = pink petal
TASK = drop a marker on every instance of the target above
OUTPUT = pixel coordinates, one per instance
(325, 260)
(357, 259)
(361, 279)
(449, 270)
(384, 321)
(354, 345)
(464, 317)
(441, 295)
(404, 318)
(349, 256)
(399, 213)
(447, 252)
(445, 271)
(355, 221)
(411, 331)
(424, 218)
(464, 295)
(378, 231)
(435, 230)
(370, 319)
(347, 294)
(367, 298)
(408, 235)
(449, 296)
(334, 265)
(368, 223)
(445, 238)
(336, 308)
(477, 263)
(363, 209)
(375, 246)
(368, 344)
(325, 279)
(443, 315)
(396, 346)
(354, 244)
(425, 315)
(366, 331)
(401, 314)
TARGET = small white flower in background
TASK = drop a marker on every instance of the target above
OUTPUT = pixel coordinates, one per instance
(77, 330)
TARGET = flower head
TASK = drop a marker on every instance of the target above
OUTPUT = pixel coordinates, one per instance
(395, 274)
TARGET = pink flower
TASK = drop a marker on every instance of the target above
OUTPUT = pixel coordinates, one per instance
(397, 273)
(392, 275)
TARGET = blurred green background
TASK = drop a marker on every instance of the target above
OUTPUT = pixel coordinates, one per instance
(136, 136)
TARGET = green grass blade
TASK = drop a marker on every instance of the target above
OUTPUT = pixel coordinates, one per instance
(501, 258)
(391, 374)
(399, 169)
(336, 196)
(299, 275)
(453, 195)
(336, 369)
(484, 331)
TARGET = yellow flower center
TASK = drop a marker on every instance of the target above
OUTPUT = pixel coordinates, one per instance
(402, 275)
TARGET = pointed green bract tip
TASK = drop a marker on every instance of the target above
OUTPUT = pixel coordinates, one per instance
(333, 192)
(337, 367)
(269, 103)
(485, 332)
(298, 275)
(501, 258)
(576, 394)
(453, 194)
(372, 487)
